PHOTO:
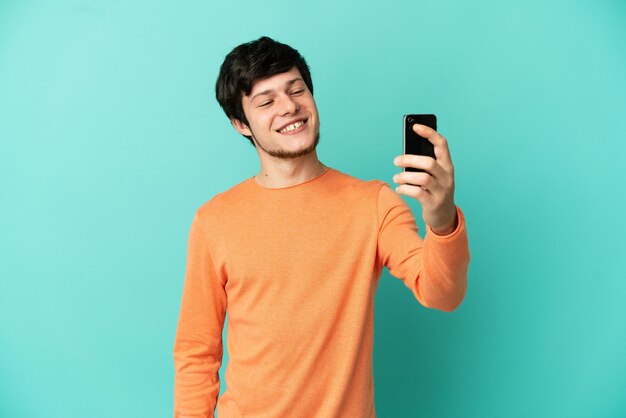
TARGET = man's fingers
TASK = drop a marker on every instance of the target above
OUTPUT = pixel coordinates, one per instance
(423, 180)
(428, 164)
(414, 178)
(416, 192)
(442, 152)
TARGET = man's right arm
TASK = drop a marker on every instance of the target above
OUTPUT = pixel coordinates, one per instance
(198, 346)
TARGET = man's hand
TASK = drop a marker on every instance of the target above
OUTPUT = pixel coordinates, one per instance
(434, 188)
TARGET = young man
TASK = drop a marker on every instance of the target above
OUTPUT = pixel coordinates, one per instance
(295, 253)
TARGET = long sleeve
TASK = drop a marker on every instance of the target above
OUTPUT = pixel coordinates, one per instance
(434, 268)
(198, 346)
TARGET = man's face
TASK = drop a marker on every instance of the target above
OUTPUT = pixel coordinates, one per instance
(282, 116)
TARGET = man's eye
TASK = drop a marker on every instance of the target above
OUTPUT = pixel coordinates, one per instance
(265, 104)
(296, 92)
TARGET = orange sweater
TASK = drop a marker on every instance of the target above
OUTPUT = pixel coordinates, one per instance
(297, 268)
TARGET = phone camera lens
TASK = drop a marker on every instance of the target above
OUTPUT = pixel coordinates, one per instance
(410, 120)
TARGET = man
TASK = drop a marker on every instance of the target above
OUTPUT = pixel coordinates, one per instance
(295, 253)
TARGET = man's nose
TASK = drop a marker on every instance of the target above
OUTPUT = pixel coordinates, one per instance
(288, 105)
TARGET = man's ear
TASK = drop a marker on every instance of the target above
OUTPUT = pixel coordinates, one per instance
(241, 127)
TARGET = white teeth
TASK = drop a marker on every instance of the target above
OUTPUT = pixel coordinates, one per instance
(291, 127)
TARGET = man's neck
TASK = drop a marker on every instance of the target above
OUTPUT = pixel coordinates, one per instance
(279, 173)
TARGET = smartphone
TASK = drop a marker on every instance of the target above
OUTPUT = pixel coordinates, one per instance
(415, 144)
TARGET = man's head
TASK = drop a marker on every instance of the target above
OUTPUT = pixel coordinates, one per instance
(264, 85)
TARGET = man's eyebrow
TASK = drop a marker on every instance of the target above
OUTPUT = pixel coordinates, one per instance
(264, 92)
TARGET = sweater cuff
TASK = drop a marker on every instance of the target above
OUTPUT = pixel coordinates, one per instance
(459, 227)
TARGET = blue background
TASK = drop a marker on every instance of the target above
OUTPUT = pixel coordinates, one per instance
(110, 138)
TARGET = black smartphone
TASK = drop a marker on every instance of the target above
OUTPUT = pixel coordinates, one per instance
(415, 144)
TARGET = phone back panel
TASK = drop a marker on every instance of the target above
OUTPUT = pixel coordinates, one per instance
(414, 143)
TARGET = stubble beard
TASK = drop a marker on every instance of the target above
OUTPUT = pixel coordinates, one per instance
(290, 155)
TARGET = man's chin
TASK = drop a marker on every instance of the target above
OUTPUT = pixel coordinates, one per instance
(290, 155)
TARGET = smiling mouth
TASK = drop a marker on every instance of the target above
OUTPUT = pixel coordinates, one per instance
(292, 128)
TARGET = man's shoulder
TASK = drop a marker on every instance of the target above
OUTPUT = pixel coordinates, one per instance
(358, 185)
(236, 195)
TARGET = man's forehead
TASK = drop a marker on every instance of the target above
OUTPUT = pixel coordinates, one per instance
(275, 81)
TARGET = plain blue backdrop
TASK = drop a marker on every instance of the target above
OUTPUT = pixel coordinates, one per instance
(110, 138)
